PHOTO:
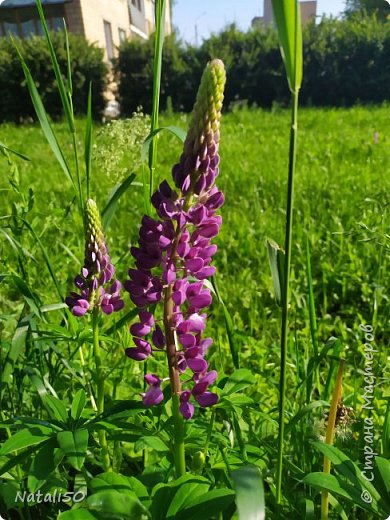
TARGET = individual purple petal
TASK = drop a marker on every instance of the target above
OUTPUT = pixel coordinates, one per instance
(139, 330)
(152, 379)
(146, 318)
(194, 265)
(207, 399)
(197, 364)
(153, 396)
(137, 354)
(187, 340)
(158, 337)
(187, 410)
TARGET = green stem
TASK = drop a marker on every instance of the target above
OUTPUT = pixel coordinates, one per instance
(174, 376)
(158, 48)
(76, 158)
(87, 382)
(100, 388)
(209, 433)
(285, 295)
(179, 448)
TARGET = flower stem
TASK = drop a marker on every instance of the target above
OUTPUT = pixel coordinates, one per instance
(174, 376)
(285, 293)
(336, 396)
(100, 388)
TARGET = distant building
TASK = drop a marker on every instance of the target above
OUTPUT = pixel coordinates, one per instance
(106, 22)
(308, 12)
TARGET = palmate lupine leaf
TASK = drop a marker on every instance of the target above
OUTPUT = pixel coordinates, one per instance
(287, 16)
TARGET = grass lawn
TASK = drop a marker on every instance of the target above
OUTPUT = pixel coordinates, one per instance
(342, 196)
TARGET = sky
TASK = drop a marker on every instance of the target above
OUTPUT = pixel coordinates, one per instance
(212, 15)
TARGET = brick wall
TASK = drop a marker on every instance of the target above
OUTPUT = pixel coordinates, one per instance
(73, 17)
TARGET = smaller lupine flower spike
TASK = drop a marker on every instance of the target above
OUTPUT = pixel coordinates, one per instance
(97, 272)
(173, 259)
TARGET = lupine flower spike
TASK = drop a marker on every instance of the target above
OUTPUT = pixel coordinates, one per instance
(94, 281)
(173, 258)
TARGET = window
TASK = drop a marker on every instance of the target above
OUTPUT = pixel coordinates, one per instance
(137, 4)
(28, 28)
(122, 35)
(109, 43)
(11, 28)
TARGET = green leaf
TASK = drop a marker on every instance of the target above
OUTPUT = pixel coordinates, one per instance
(18, 459)
(287, 16)
(344, 465)
(178, 132)
(43, 464)
(77, 514)
(240, 379)
(55, 408)
(163, 494)
(110, 480)
(184, 495)
(112, 203)
(153, 442)
(18, 344)
(78, 404)
(23, 439)
(229, 325)
(248, 485)
(120, 506)
(304, 411)
(74, 445)
(276, 259)
(207, 505)
(29, 296)
(326, 482)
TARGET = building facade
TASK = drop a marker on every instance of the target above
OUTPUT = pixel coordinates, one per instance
(106, 22)
(308, 12)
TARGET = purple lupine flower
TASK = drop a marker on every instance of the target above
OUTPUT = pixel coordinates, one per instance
(94, 281)
(174, 254)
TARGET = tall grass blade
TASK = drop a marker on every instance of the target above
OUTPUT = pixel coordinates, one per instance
(9, 150)
(160, 9)
(47, 259)
(112, 203)
(287, 16)
(44, 120)
(249, 488)
(229, 325)
(313, 323)
(276, 259)
(88, 141)
(60, 82)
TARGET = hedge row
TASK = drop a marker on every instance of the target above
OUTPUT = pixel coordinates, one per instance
(87, 65)
(345, 62)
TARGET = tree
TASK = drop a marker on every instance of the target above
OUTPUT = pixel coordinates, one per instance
(380, 7)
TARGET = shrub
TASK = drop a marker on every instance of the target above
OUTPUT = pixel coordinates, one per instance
(87, 66)
(345, 61)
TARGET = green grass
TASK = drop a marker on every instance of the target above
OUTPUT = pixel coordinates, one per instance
(341, 204)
